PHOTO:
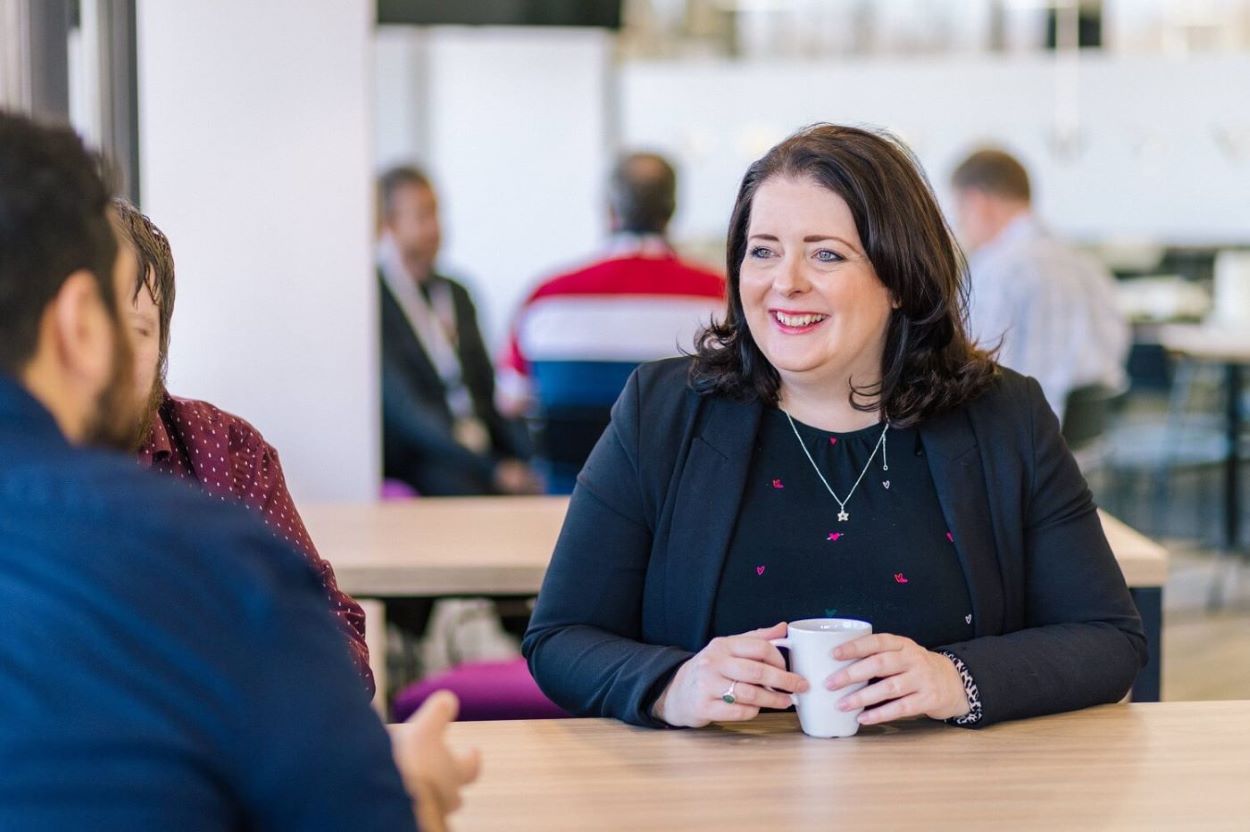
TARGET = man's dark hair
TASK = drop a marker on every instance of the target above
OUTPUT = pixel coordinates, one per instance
(395, 178)
(929, 365)
(53, 222)
(643, 193)
(994, 172)
(156, 268)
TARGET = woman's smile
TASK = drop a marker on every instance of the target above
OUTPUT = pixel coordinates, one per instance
(803, 260)
(790, 322)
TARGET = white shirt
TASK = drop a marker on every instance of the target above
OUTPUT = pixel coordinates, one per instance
(1054, 308)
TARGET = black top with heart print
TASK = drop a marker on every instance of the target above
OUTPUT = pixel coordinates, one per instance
(892, 562)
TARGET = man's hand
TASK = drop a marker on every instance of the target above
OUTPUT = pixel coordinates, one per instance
(432, 773)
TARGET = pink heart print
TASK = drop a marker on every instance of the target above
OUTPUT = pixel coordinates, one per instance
(833, 440)
(950, 538)
(834, 536)
(900, 578)
(777, 484)
(759, 570)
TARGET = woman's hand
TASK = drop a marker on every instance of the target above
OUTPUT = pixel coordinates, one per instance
(748, 662)
(911, 681)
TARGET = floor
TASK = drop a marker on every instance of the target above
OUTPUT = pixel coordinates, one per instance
(1206, 654)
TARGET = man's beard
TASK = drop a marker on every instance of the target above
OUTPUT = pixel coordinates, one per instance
(113, 420)
(151, 408)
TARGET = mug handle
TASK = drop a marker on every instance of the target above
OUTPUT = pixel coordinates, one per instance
(789, 645)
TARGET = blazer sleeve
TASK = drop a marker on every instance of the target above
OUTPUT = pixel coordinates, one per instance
(584, 643)
(411, 425)
(1082, 643)
(506, 439)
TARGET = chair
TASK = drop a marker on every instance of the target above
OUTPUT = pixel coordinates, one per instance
(574, 406)
(1086, 420)
(1188, 438)
(397, 490)
(487, 690)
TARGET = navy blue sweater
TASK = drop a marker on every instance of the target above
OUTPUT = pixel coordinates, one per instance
(166, 662)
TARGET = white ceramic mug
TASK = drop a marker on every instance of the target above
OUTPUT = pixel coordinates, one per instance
(811, 643)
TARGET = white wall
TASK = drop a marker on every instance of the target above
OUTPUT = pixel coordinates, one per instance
(256, 160)
(400, 95)
(519, 127)
(513, 127)
(1163, 150)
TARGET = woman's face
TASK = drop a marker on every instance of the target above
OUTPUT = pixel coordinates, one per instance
(812, 300)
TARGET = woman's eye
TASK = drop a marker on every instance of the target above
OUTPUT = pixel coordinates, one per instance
(761, 252)
(827, 256)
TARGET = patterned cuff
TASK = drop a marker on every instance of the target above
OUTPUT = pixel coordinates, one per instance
(970, 689)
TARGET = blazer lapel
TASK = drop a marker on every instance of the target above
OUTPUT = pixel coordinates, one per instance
(955, 464)
(398, 336)
(705, 511)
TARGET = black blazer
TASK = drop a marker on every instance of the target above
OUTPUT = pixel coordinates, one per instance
(418, 439)
(630, 591)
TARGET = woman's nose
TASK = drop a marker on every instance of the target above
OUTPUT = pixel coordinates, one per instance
(789, 280)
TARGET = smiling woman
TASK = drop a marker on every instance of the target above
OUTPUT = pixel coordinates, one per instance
(844, 218)
(813, 298)
(836, 447)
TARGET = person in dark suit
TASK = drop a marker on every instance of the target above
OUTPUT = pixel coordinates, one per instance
(835, 447)
(442, 433)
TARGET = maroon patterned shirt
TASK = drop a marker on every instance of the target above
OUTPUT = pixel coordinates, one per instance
(229, 458)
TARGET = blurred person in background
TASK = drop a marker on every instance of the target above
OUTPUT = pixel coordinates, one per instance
(442, 433)
(195, 441)
(168, 662)
(1053, 309)
(580, 334)
(638, 301)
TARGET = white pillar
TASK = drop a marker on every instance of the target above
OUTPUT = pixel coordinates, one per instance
(256, 161)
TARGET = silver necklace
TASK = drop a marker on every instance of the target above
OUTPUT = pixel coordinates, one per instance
(843, 516)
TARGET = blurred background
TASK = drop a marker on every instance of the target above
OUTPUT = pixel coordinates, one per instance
(252, 133)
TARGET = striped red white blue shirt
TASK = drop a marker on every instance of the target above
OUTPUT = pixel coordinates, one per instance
(639, 303)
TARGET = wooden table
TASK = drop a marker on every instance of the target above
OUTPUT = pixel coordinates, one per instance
(1173, 766)
(500, 546)
(431, 547)
(1230, 348)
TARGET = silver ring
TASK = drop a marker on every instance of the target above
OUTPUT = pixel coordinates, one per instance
(728, 696)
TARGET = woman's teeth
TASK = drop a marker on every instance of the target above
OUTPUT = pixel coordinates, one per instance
(798, 320)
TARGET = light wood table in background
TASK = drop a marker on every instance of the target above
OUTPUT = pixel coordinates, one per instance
(501, 546)
(432, 547)
(1174, 766)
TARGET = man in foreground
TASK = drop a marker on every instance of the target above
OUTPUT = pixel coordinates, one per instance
(164, 656)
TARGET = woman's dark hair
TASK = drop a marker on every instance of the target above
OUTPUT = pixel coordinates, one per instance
(156, 269)
(54, 204)
(929, 365)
